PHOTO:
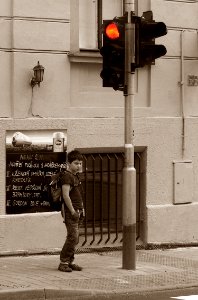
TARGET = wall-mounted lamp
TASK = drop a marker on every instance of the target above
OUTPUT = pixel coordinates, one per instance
(38, 75)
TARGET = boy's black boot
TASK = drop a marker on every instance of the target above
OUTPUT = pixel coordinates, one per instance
(75, 267)
(64, 267)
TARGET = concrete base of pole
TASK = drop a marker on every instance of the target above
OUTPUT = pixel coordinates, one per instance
(129, 248)
(129, 210)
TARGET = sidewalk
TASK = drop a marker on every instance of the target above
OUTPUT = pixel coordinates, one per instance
(37, 277)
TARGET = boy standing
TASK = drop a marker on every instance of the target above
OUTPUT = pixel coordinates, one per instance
(72, 210)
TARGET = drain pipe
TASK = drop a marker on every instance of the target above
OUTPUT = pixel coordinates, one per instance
(182, 93)
(12, 58)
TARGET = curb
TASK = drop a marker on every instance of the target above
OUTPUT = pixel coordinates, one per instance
(45, 293)
(30, 294)
(55, 294)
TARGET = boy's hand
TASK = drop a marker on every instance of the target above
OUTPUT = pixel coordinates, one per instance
(75, 216)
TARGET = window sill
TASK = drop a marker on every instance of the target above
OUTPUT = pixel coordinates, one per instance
(85, 56)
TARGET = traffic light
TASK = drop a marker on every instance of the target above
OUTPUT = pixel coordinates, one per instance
(113, 52)
(146, 30)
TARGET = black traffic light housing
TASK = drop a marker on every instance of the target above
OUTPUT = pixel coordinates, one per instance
(113, 52)
(146, 30)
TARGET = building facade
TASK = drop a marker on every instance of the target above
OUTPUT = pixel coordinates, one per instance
(63, 36)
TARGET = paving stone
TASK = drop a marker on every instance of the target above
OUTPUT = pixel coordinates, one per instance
(102, 271)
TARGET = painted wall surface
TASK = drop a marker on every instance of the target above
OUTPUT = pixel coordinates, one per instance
(71, 98)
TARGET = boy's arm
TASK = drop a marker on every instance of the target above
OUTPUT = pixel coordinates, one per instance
(66, 197)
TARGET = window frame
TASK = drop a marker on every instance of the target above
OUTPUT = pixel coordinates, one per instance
(76, 53)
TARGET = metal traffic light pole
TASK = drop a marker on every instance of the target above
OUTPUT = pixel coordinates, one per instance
(129, 172)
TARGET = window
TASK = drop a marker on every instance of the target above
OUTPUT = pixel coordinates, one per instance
(91, 14)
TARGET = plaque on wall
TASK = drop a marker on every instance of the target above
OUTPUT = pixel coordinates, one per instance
(28, 174)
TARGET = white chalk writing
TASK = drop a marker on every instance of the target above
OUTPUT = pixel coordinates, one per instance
(33, 187)
(21, 179)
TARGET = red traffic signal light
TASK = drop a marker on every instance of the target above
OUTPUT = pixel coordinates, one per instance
(112, 31)
(113, 52)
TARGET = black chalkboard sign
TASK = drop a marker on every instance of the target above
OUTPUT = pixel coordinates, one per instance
(27, 177)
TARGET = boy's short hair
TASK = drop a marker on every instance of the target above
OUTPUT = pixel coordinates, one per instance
(74, 155)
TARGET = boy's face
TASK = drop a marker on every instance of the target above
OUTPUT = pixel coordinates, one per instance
(75, 166)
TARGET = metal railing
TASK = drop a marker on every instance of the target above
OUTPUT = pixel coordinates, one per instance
(102, 185)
